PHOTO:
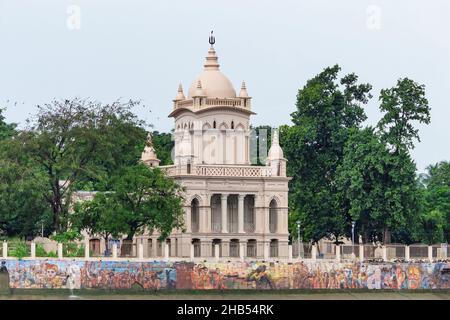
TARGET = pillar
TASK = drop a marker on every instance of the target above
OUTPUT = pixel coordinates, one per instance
(224, 208)
(217, 252)
(140, 251)
(192, 252)
(430, 253)
(407, 253)
(114, 250)
(267, 220)
(188, 218)
(242, 247)
(5, 249)
(361, 252)
(33, 250)
(60, 250)
(384, 253)
(166, 250)
(338, 253)
(225, 248)
(314, 252)
(290, 252)
(241, 213)
(266, 250)
(86, 249)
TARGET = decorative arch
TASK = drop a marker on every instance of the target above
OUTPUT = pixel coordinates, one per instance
(206, 126)
(223, 126)
(198, 197)
(240, 126)
(276, 199)
(195, 215)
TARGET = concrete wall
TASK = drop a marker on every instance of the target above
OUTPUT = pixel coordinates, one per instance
(236, 275)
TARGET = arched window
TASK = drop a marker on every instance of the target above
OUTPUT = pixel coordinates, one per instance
(249, 213)
(232, 124)
(273, 216)
(274, 248)
(214, 124)
(195, 215)
(216, 213)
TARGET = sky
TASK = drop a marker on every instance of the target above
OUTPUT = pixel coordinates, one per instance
(130, 49)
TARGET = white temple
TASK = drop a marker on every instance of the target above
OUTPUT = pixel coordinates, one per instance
(233, 209)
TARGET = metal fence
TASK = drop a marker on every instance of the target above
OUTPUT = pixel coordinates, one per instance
(305, 251)
(395, 251)
(418, 251)
(349, 251)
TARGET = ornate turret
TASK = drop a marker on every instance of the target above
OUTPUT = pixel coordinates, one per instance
(275, 158)
(180, 95)
(149, 156)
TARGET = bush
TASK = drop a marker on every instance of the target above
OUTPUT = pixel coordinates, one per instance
(18, 250)
(40, 252)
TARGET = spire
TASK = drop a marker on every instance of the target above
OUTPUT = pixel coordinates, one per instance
(211, 60)
(243, 93)
(180, 96)
(149, 156)
(275, 139)
(275, 151)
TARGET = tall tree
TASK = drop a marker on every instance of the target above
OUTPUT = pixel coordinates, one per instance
(403, 105)
(76, 139)
(326, 108)
(373, 192)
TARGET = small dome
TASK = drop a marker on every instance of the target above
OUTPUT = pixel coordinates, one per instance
(213, 82)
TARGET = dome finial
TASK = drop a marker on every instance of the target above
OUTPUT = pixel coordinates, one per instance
(212, 39)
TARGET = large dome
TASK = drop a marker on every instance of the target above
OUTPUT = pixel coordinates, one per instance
(214, 84)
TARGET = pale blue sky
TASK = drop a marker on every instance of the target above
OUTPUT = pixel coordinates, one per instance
(143, 49)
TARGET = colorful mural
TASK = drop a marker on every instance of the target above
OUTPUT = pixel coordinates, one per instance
(78, 274)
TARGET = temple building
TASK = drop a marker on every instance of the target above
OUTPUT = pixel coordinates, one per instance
(232, 208)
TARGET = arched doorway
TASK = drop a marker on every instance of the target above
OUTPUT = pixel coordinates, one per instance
(195, 215)
(273, 216)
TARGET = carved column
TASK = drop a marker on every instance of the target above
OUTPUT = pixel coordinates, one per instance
(241, 213)
(224, 208)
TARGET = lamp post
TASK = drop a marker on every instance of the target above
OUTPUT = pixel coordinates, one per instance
(299, 239)
(353, 239)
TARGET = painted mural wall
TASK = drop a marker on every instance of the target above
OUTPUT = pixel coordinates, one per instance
(235, 275)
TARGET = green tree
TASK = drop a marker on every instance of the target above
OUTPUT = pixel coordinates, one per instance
(6, 129)
(163, 144)
(101, 216)
(149, 200)
(402, 105)
(372, 192)
(23, 208)
(77, 140)
(326, 109)
(436, 192)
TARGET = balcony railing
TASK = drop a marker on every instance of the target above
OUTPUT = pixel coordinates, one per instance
(222, 171)
(214, 102)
